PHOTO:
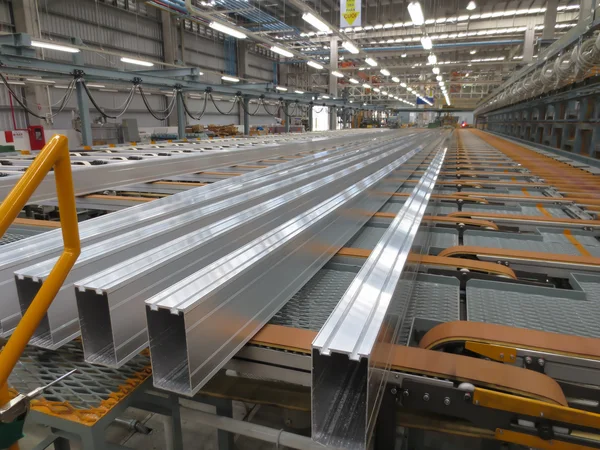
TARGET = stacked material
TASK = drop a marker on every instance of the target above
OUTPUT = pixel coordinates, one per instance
(223, 130)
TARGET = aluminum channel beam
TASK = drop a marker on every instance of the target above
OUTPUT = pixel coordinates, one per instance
(60, 324)
(111, 303)
(198, 324)
(360, 333)
(37, 248)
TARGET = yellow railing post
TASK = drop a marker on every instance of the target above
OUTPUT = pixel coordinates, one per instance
(55, 153)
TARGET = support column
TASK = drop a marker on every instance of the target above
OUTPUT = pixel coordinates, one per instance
(26, 21)
(84, 114)
(333, 91)
(310, 118)
(181, 119)
(549, 19)
(286, 126)
(528, 43)
(585, 12)
(246, 101)
(169, 52)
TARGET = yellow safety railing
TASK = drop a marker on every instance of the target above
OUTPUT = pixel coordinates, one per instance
(54, 154)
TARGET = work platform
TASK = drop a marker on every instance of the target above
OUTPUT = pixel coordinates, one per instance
(505, 236)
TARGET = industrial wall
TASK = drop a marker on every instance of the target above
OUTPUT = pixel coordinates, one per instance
(128, 27)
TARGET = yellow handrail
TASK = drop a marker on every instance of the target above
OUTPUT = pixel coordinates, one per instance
(55, 153)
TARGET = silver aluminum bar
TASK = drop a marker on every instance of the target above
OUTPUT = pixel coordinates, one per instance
(198, 324)
(37, 248)
(60, 324)
(111, 303)
(360, 333)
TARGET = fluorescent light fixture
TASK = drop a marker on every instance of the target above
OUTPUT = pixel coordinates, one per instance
(432, 59)
(436, 70)
(281, 51)
(335, 73)
(377, 90)
(353, 81)
(442, 83)
(350, 47)
(472, 52)
(137, 62)
(315, 22)
(315, 65)
(403, 85)
(371, 62)
(385, 72)
(59, 48)
(403, 55)
(367, 86)
(396, 97)
(384, 93)
(95, 85)
(439, 78)
(416, 13)
(227, 30)
(426, 43)
(396, 79)
(471, 6)
(325, 96)
(281, 88)
(39, 80)
(109, 90)
(409, 89)
(228, 78)
(19, 83)
(59, 87)
(299, 92)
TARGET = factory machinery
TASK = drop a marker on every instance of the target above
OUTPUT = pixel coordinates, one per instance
(417, 288)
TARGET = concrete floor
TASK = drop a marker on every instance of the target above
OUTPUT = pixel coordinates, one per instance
(195, 435)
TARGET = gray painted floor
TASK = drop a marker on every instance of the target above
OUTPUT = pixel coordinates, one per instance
(195, 435)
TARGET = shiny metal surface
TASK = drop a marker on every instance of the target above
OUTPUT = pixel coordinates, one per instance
(361, 333)
(223, 305)
(47, 245)
(110, 303)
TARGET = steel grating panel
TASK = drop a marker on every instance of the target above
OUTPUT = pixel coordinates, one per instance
(547, 309)
(310, 307)
(242, 291)
(440, 239)
(433, 297)
(554, 211)
(532, 243)
(11, 237)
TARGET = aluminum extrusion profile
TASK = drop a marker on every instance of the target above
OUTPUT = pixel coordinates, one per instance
(60, 324)
(111, 303)
(199, 323)
(351, 354)
(37, 248)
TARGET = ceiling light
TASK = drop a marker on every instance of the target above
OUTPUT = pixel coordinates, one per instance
(438, 78)
(350, 47)
(228, 78)
(472, 52)
(39, 80)
(20, 83)
(416, 13)
(315, 65)
(281, 88)
(227, 30)
(299, 92)
(371, 62)
(111, 90)
(391, 95)
(409, 89)
(432, 59)
(59, 87)
(335, 73)
(366, 86)
(396, 79)
(377, 89)
(403, 85)
(403, 55)
(281, 51)
(426, 43)
(325, 96)
(442, 83)
(385, 72)
(49, 46)
(95, 85)
(384, 93)
(353, 81)
(137, 62)
(471, 6)
(466, 74)
(316, 22)
(436, 70)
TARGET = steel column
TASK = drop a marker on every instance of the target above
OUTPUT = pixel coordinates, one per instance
(181, 119)
(246, 101)
(287, 117)
(310, 118)
(84, 114)
(549, 19)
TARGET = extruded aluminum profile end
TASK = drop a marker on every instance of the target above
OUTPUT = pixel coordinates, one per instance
(37, 248)
(111, 303)
(352, 353)
(200, 323)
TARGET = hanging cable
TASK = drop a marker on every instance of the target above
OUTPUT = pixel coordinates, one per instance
(264, 105)
(236, 98)
(285, 110)
(167, 112)
(187, 111)
(249, 113)
(100, 110)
